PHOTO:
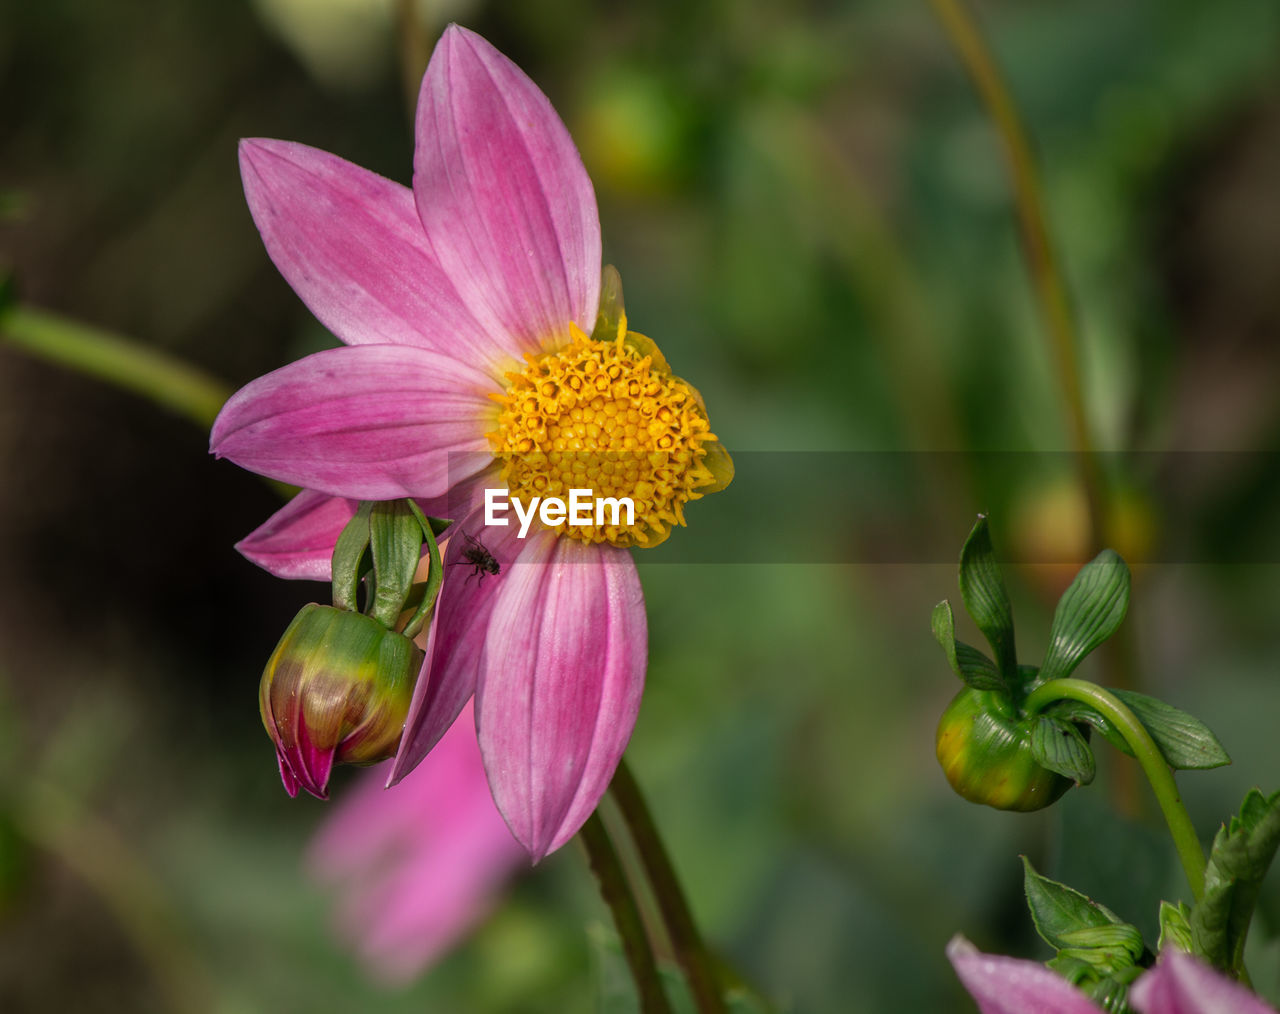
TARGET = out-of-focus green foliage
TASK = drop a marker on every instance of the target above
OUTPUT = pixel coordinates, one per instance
(810, 214)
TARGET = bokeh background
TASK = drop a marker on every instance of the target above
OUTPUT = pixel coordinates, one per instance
(811, 215)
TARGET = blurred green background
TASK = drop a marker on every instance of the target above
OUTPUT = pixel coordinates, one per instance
(811, 216)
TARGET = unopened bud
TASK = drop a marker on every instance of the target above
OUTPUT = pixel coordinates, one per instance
(335, 690)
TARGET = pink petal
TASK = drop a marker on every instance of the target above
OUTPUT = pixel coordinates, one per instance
(457, 639)
(1003, 985)
(287, 777)
(1181, 984)
(351, 245)
(505, 201)
(374, 422)
(296, 542)
(420, 864)
(560, 684)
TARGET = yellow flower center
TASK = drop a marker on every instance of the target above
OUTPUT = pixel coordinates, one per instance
(608, 417)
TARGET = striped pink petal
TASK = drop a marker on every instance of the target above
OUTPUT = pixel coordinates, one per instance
(296, 542)
(1003, 985)
(1181, 984)
(351, 245)
(560, 684)
(503, 196)
(373, 422)
(457, 640)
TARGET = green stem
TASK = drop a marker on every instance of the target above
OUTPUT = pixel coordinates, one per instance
(118, 360)
(686, 941)
(1147, 754)
(1046, 274)
(616, 893)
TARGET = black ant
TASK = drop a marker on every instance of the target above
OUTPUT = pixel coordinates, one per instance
(478, 557)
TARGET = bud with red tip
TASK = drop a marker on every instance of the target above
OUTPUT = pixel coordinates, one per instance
(335, 691)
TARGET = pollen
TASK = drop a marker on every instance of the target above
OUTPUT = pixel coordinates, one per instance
(606, 416)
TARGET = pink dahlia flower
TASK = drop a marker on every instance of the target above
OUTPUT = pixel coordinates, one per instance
(1179, 984)
(478, 354)
(416, 868)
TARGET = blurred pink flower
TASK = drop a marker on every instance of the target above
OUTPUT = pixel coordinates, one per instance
(1179, 984)
(468, 306)
(417, 866)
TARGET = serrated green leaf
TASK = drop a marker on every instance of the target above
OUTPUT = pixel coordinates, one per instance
(1089, 612)
(1057, 909)
(986, 600)
(1185, 742)
(1059, 746)
(1241, 855)
(1175, 927)
(967, 662)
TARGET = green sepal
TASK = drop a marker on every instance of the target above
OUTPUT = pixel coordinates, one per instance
(611, 311)
(348, 556)
(430, 528)
(1060, 746)
(395, 540)
(967, 662)
(1241, 855)
(986, 599)
(1060, 913)
(1089, 612)
(438, 526)
(1175, 927)
(1078, 711)
(1111, 993)
(1185, 742)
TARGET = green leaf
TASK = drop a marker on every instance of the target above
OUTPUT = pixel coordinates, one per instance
(1088, 613)
(348, 552)
(967, 662)
(1241, 855)
(1175, 927)
(1059, 746)
(1184, 740)
(985, 598)
(1060, 912)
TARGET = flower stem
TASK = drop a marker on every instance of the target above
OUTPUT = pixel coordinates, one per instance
(166, 381)
(616, 893)
(1046, 274)
(686, 941)
(1147, 754)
